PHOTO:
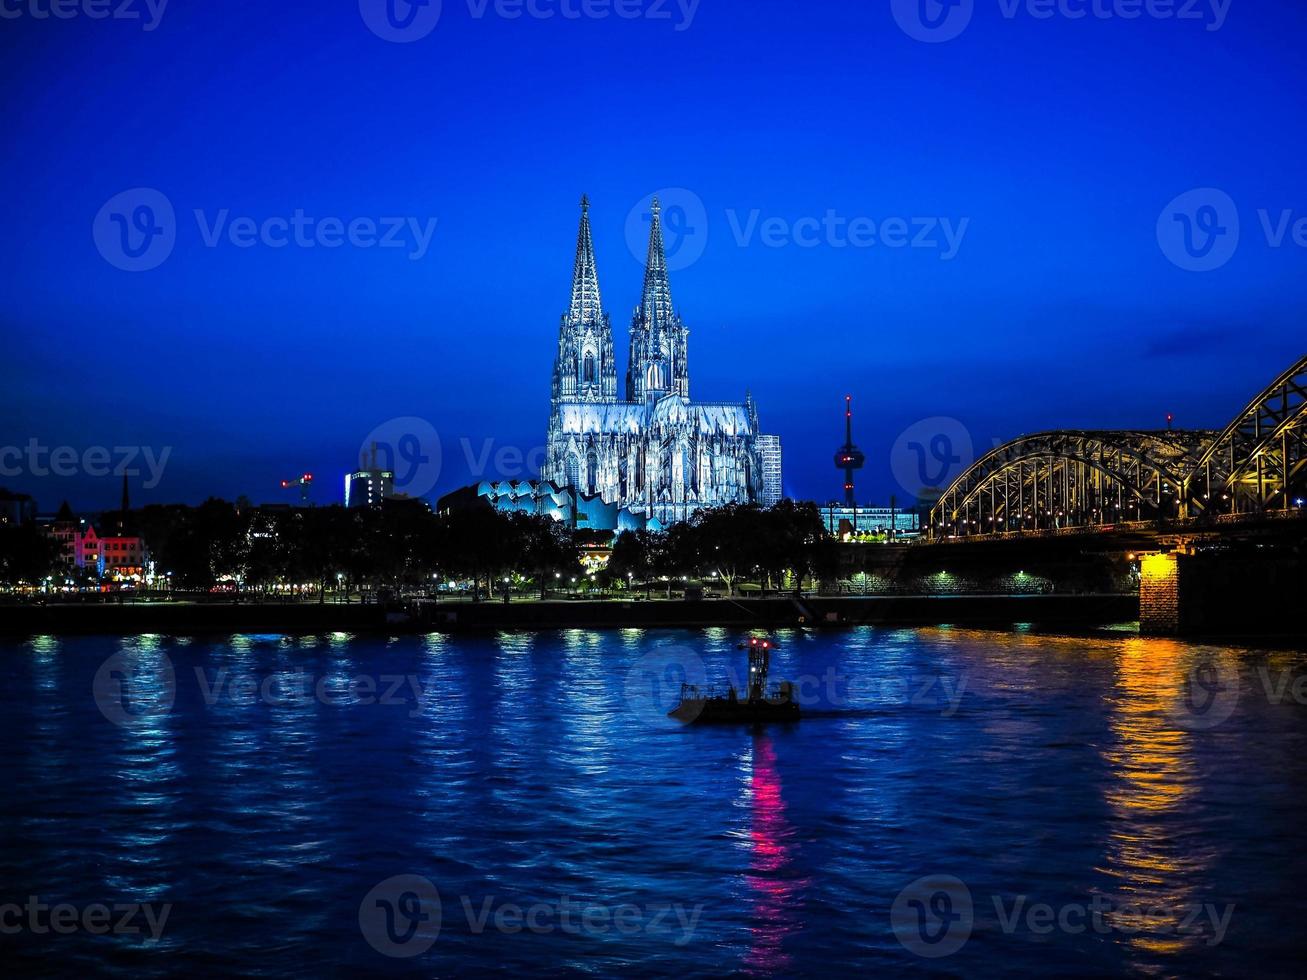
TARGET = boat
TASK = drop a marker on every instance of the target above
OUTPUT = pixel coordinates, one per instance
(761, 704)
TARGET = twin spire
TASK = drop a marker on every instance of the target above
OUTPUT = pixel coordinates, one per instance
(586, 307)
(656, 304)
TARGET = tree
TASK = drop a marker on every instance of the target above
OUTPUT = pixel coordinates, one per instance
(729, 539)
(267, 561)
(633, 554)
(547, 548)
(475, 543)
(794, 538)
(320, 542)
(27, 554)
(677, 553)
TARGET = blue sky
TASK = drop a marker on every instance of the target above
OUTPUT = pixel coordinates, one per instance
(1051, 146)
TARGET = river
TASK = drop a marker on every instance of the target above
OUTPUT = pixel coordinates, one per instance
(968, 803)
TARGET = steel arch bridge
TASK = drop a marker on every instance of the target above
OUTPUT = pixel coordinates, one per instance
(1084, 480)
(1256, 464)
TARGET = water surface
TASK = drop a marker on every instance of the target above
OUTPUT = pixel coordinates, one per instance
(567, 827)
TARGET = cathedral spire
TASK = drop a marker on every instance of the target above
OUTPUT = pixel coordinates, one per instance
(586, 307)
(659, 362)
(657, 302)
(585, 368)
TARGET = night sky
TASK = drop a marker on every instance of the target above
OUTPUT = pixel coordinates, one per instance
(1055, 144)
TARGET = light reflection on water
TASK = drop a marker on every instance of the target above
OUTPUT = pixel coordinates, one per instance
(513, 769)
(1154, 780)
(147, 781)
(777, 893)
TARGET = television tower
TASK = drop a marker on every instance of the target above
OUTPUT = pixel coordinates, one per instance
(849, 457)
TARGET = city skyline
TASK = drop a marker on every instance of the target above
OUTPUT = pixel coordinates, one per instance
(1047, 300)
(653, 487)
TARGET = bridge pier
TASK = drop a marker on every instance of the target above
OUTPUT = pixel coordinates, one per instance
(1161, 594)
(1244, 595)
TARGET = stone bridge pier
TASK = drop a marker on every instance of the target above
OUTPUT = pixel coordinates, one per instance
(1222, 595)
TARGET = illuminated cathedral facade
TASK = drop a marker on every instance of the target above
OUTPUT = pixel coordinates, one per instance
(655, 455)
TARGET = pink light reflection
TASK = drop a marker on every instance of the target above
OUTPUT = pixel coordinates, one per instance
(776, 902)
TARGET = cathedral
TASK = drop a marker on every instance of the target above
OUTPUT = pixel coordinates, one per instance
(654, 455)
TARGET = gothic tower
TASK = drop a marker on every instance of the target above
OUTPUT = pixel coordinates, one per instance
(659, 363)
(585, 369)
(656, 457)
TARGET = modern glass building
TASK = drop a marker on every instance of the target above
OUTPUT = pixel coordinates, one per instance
(769, 452)
(841, 520)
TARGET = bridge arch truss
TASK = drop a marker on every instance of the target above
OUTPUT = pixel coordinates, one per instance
(1258, 463)
(1072, 479)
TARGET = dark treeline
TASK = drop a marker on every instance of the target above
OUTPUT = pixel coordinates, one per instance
(404, 546)
(777, 547)
(27, 554)
(401, 545)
